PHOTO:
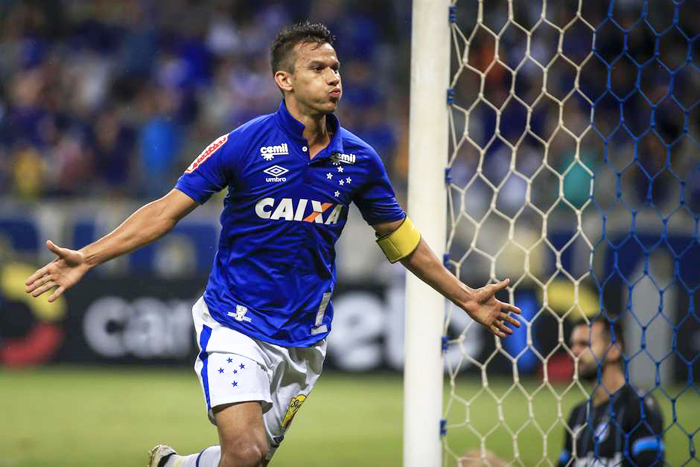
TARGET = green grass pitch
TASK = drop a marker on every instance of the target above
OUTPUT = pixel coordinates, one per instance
(71, 416)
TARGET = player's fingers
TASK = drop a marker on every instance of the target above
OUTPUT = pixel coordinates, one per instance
(505, 328)
(57, 293)
(48, 286)
(40, 290)
(511, 308)
(493, 288)
(511, 320)
(39, 273)
(494, 329)
(34, 285)
(38, 283)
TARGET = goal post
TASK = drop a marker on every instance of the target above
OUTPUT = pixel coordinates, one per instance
(427, 206)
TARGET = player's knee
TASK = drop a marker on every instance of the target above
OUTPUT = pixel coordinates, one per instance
(244, 453)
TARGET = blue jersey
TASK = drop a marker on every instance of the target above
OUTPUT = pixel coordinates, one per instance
(274, 273)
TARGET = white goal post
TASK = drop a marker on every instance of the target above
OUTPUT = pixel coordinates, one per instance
(427, 205)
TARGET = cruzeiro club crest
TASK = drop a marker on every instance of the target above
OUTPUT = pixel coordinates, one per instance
(294, 406)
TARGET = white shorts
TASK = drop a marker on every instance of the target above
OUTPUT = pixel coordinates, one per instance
(233, 367)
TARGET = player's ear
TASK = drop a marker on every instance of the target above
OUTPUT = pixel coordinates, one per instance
(284, 80)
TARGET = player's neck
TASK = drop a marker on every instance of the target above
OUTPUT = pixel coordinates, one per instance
(613, 379)
(315, 129)
(316, 132)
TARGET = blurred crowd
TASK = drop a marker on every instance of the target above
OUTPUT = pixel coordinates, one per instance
(104, 98)
(633, 70)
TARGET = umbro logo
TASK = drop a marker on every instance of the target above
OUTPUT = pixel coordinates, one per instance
(275, 173)
(269, 152)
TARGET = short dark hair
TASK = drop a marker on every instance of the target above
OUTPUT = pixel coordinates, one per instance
(282, 55)
(612, 327)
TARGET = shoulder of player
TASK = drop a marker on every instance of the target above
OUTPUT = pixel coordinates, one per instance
(635, 398)
(650, 402)
(252, 128)
(353, 144)
(242, 138)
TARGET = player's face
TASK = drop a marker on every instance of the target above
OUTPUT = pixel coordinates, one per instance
(589, 344)
(316, 78)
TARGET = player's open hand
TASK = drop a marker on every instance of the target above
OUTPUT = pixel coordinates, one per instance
(493, 314)
(61, 273)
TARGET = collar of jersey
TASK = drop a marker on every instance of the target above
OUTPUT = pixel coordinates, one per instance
(295, 129)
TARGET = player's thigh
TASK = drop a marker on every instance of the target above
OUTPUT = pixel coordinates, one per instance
(292, 382)
(242, 435)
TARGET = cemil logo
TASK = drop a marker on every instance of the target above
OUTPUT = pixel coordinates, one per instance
(269, 208)
(294, 407)
(338, 157)
(269, 152)
(45, 335)
(275, 171)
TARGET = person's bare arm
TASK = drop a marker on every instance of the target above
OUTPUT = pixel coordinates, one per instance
(481, 304)
(146, 225)
(473, 458)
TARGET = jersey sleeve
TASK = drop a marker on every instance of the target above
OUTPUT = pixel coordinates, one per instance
(376, 199)
(646, 446)
(210, 172)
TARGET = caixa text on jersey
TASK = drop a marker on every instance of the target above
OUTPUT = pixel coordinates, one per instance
(303, 210)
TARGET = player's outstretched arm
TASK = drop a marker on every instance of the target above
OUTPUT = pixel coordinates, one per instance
(481, 304)
(144, 226)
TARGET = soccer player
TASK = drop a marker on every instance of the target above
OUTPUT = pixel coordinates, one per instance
(617, 425)
(264, 317)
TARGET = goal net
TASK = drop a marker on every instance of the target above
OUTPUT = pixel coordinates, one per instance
(574, 131)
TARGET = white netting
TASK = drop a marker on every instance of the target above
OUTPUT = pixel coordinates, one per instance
(505, 185)
(526, 147)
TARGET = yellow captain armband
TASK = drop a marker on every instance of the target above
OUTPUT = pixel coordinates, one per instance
(401, 242)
